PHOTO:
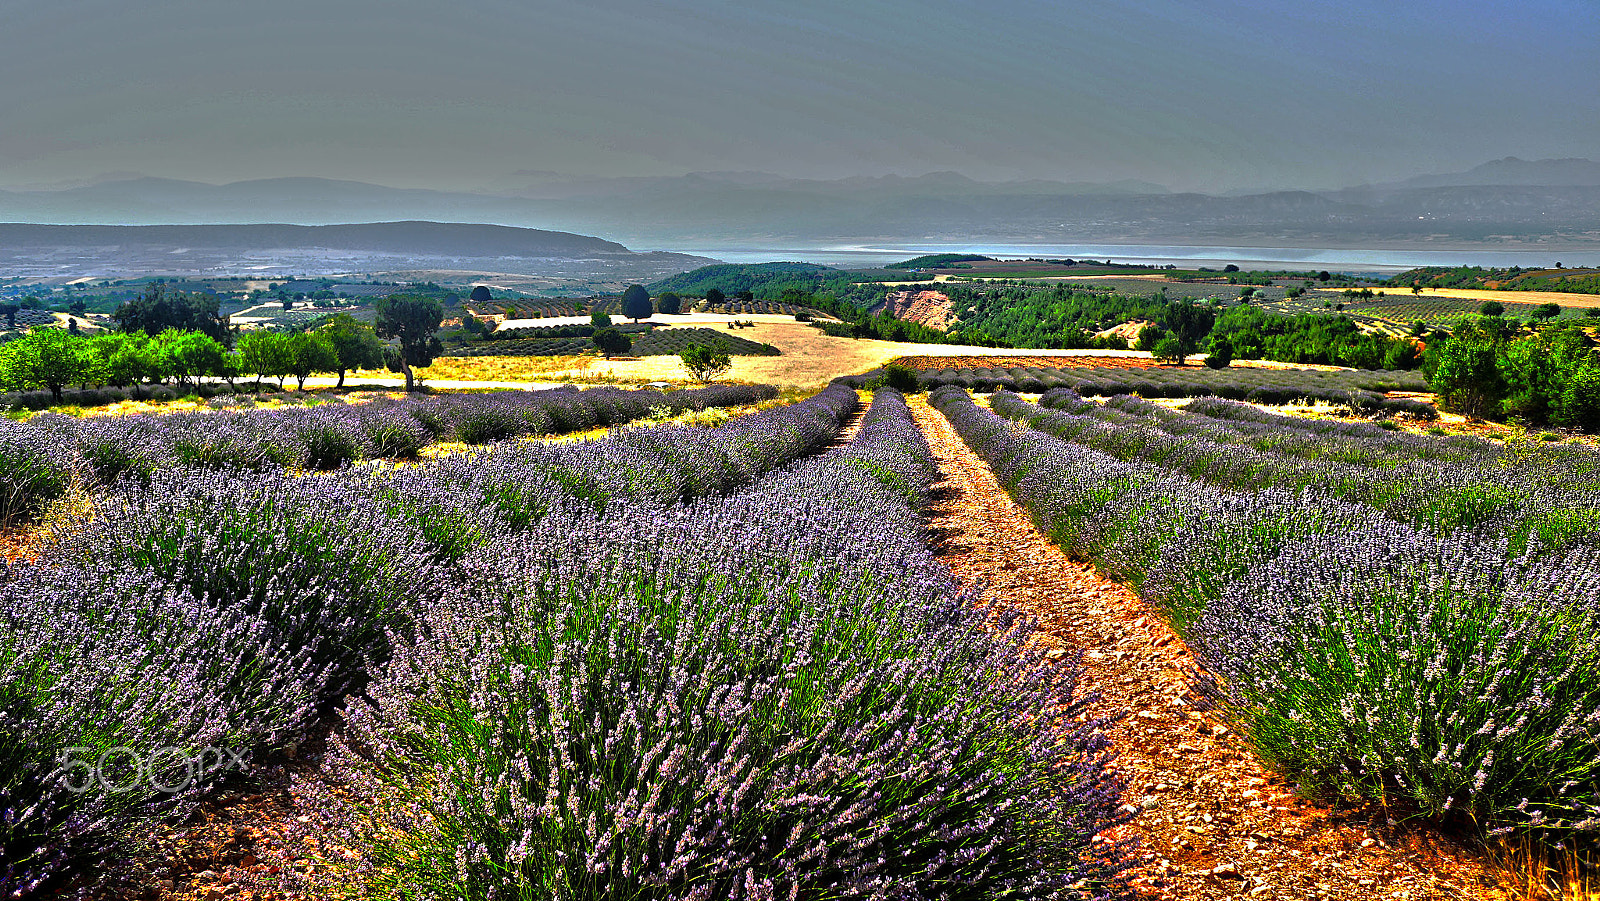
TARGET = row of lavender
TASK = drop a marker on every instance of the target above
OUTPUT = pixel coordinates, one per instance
(1548, 499)
(40, 459)
(1379, 444)
(655, 664)
(1443, 674)
(777, 693)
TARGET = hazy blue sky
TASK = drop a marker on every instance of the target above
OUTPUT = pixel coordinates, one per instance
(1204, 94)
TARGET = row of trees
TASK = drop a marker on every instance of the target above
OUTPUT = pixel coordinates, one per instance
(52, 359)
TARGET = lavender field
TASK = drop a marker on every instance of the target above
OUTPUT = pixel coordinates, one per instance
(694, 662)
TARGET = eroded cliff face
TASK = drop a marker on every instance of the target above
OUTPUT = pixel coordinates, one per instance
(930, 308)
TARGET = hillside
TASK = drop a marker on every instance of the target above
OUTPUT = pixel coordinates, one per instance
(731, 278)
(418, 238)
(1571, 281)
(413, 250)
(930, 308)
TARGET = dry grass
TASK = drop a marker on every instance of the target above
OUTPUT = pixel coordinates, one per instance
(808, 359)
(1567, 301)
(509, 369)
(1532, 871)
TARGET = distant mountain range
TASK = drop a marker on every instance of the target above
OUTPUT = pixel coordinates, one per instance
(126, 250)
(1512, 171)
(1505, 203)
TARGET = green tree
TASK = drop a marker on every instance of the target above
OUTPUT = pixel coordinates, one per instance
(705, 362)
(1579, 405)
(49, 358)
(1170, 350)
(1188, 322)
(188, 355)
(480, 294)
(715, 297)
(232, 367)
(411, 320)
(1401, 355)
(636, 303)
(157, 310)
(1538, 370)
(264, 353)
(669, 302)
(355, 344)
(1221, 355)
(10, 311)
(128, 357)
(310, 352)
(610, 341)
(1492, 308)
(1465, 371)
(1545, 311)
(599, 319)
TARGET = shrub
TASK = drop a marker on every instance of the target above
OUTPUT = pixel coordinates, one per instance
(34, 470)
(94, 659)
(704, 362)
(1221, 354)
(393, 434)
(900, 378)
(1388, 665)
(333, 440)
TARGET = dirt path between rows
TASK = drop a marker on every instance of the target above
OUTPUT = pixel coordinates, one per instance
(1215, 824)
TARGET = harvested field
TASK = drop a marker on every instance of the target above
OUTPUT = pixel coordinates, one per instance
(807, 358)
(930, 363)
(1131, 359)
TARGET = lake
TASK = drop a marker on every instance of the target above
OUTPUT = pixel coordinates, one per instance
(1357, 260)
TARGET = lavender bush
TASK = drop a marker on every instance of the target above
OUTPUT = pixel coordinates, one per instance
(1389, 665)
(774, 693)
(94, 660)
(316, 558)
(32, 473)
(214, 607)
(659, 465)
